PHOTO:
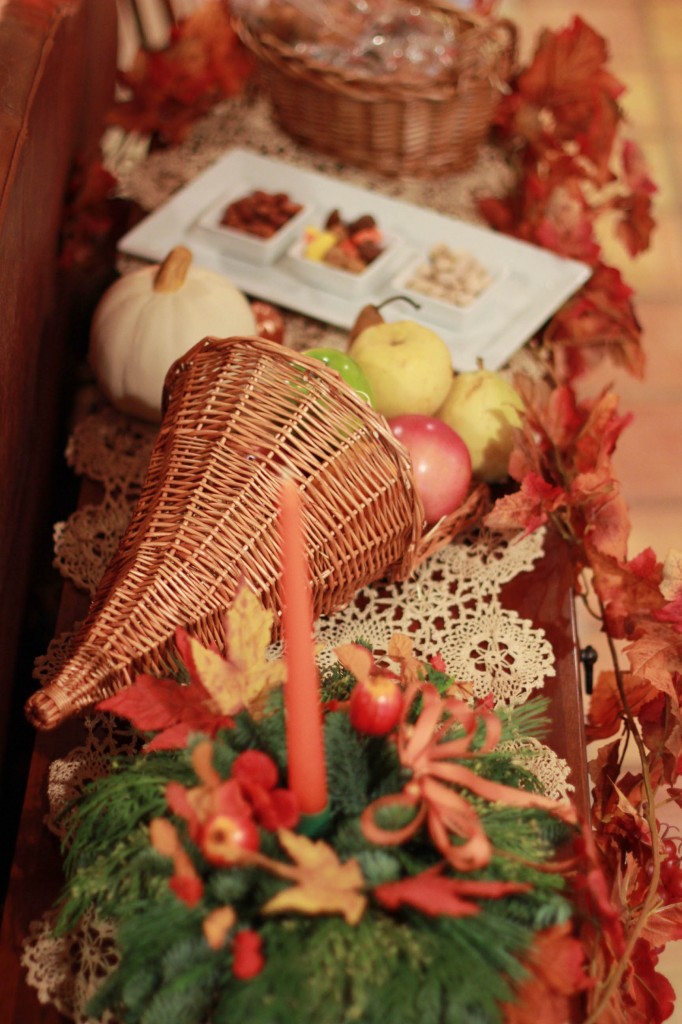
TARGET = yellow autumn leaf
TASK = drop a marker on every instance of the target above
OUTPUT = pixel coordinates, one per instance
(246, 675)
(324, 885)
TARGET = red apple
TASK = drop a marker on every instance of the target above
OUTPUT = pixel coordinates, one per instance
(441, 462)
(222, 836)
(376, 704)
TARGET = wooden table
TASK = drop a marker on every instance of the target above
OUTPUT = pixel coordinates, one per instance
(543, 595)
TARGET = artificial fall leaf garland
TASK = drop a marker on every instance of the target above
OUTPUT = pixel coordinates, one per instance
(435, 826)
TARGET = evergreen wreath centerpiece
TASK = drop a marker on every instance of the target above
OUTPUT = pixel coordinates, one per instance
(379, 856)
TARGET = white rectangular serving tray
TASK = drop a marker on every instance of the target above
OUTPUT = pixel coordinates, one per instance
(533, 283)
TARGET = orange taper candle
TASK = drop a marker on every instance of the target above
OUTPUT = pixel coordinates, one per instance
(303, 710)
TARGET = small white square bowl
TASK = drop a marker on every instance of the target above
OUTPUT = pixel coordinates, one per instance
(441, 311)
(346, 283)
(241, 245)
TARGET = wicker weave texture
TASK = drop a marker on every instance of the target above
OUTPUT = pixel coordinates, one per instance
(240, 413)
(423, 130)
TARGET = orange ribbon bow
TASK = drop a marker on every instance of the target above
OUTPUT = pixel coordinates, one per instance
(436, 783)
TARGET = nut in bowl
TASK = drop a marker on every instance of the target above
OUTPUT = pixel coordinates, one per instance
(346, 257)
(448, 285)
(252, 224)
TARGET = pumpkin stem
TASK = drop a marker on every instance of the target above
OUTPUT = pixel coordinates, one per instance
(171, 275)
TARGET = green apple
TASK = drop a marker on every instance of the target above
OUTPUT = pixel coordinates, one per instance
(408, 367)
(485, 410)
(346, 367)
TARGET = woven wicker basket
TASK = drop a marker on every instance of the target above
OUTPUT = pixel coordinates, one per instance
(420, 130)
(239, 413)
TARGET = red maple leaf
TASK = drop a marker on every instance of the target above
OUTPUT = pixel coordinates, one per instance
(527, 508)
(672, 613)
(568, 77)
(170, 88)
(600, 321)
(636, 223)
(165, 707)
(433, 894)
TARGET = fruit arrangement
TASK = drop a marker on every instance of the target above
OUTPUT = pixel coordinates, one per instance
(457, 427)
(346, 245)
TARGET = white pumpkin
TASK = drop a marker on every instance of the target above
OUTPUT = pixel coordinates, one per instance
(149, 318)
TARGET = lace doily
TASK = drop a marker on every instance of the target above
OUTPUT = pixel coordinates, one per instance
(452, 605)
(66, 971)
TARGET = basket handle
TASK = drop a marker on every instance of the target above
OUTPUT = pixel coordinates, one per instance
(498, 63)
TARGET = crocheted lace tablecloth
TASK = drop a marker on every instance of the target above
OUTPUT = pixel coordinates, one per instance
(451, 605)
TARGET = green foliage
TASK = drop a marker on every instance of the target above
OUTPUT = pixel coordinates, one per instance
(337, 683)
(404, 966)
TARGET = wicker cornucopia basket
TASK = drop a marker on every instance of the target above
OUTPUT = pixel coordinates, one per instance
(240, 413)
(422, 128)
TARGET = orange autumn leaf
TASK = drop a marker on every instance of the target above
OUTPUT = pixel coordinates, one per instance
(356, 659)
(664, 925)
(657, 655)
(599, 321)
(217, 925)
(605, 716)
(401, 649)
(323, 884)
(629, 590)
(556, 973)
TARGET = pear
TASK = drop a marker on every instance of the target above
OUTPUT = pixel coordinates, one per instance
(484, 408)
(408, 367)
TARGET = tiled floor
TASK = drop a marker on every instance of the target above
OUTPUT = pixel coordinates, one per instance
(645, 41)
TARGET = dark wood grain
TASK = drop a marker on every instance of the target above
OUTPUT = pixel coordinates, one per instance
(36, 876)
(57, 69)
(546, 597)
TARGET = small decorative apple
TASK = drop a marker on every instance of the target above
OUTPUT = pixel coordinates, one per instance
(222, 836)
(346, 367)
(440, 460)
(408, 366)
(376, 703)
(485, 410)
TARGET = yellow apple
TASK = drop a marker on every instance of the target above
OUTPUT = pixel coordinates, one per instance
(408, 367)
(484, 409)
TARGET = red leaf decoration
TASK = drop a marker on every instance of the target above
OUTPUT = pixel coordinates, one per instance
(557, 971)
(166, 708)
(436, 895)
